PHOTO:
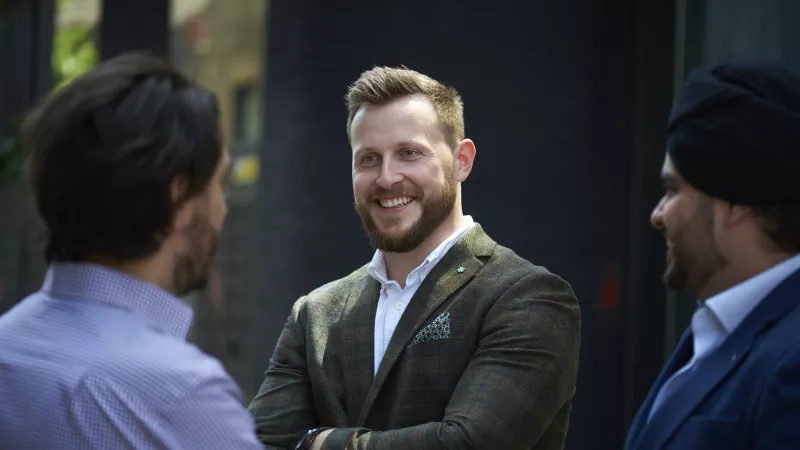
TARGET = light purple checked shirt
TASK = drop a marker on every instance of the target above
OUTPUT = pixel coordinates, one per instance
(98, 360)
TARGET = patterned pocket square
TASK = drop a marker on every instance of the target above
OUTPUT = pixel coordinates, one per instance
(436, 330)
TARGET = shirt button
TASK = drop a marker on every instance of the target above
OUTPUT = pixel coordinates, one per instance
(398, 306)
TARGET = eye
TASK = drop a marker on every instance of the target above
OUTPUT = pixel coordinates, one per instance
(408, 152)
(368, 158)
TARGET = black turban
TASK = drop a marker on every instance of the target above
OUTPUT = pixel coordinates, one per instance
(734, 134)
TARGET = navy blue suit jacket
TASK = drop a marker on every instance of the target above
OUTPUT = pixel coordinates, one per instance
(744, 395)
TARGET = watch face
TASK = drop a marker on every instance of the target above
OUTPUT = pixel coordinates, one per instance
(306, 440)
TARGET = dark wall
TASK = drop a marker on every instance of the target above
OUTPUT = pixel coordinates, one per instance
(549, 93)
(141, 25)
(26, 31)
(651, 83)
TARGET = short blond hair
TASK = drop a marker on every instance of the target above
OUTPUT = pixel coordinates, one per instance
(382, 85)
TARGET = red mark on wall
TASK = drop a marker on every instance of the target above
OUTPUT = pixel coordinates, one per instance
(610, 290)
(196, 28)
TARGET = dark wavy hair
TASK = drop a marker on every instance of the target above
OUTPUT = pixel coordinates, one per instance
(104, 152)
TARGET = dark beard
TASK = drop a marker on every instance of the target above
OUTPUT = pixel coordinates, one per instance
(695, 257)
(434, 211)
(192, 270)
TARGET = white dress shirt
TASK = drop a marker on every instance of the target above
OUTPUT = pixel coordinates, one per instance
(394, 299)
(717, 317)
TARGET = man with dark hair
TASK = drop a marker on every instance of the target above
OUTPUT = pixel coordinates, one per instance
(128, 169)
(446, 339)
(731, 218)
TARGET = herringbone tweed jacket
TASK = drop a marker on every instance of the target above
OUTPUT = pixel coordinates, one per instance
(484, 357)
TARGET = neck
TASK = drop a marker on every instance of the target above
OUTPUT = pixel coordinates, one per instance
(150, 269)
(399, 265)
(734, 274)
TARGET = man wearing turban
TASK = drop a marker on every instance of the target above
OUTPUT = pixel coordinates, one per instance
(731, 218)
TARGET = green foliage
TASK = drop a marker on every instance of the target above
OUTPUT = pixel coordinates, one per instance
(74, 52)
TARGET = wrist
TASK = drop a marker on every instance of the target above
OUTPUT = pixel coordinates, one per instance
(308, 439)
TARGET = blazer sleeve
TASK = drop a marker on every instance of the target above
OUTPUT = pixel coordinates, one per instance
(778, 411)
(283, 408)
(519, 379)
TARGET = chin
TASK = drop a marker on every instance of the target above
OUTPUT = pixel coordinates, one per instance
(394, 226)
(393, 233)
(676, 281)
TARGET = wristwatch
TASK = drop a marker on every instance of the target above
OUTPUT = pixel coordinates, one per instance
(308, 438)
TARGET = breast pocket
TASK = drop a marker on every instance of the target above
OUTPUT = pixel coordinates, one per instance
(438, 361)
(711, 433)
(441, 344)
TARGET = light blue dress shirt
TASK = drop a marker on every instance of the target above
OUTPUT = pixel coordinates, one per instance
(98, 360)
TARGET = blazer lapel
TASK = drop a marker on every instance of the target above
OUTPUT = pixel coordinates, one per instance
(357, 336)
(681, 356)
(708, 372)
(441, 283)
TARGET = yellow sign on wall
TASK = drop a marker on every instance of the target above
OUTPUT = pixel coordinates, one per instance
(246, 169)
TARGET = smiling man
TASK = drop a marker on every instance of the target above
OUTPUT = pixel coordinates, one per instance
(731, 218)
(446, 339)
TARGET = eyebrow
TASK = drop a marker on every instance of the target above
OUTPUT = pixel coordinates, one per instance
(415, 144)
(401, 144)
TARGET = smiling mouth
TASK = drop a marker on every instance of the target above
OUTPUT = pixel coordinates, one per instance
(395, 202)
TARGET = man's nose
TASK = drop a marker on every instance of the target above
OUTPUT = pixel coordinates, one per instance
(657, 216)
(389, 176)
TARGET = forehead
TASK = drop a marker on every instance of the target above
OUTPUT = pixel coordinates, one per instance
(668, 170)
(669, 174)
(401, 119)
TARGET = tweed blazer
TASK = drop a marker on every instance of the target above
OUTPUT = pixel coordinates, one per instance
(485, 356)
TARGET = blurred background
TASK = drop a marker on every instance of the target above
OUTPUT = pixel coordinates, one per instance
(567, 102)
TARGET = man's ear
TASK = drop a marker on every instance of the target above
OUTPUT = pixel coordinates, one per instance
(184, 210)
(464, 158)
(734, 214)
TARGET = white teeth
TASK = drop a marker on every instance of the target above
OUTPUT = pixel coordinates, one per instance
(395, 202)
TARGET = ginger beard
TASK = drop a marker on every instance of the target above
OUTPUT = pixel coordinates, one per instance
(435, 209)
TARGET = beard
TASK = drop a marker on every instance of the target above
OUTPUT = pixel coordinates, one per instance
(435, 209)
(193, 268)
(695, 256)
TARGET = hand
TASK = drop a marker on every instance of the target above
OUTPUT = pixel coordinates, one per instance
(319, 441)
